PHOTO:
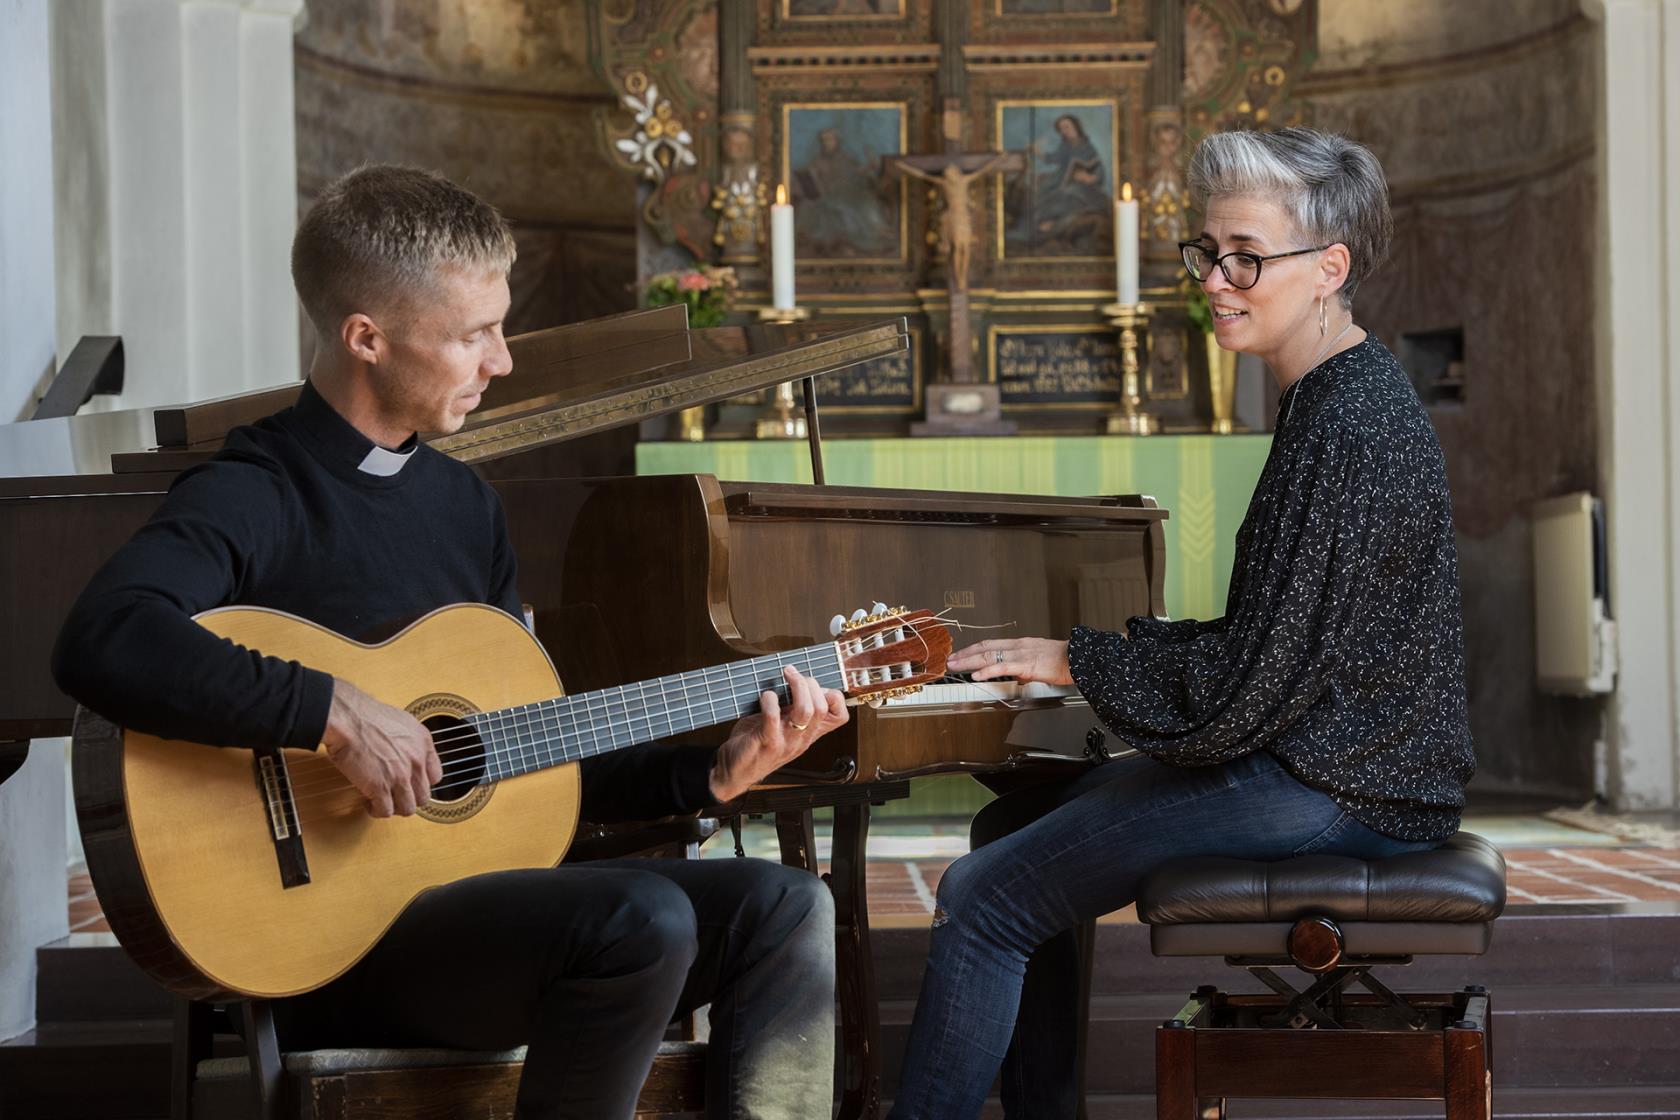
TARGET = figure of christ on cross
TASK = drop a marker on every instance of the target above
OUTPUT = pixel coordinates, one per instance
(953, 174)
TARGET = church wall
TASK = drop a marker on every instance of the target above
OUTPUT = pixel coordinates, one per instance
(1484, 118)
(499, 97)
(32, 847)
(26, 248)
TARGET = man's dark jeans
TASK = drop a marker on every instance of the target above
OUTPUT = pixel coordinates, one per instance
(586, 964)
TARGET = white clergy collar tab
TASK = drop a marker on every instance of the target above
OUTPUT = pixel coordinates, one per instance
(384, 463)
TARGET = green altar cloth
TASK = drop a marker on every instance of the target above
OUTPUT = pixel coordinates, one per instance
(1204, 482)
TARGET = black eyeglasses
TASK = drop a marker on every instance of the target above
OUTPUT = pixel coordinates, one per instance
(1241, 267)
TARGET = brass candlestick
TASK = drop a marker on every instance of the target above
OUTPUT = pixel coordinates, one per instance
(781, 418)
(1222, 386)
(1131, 419)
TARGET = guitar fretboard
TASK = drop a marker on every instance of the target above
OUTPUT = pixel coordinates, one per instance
(572, 728)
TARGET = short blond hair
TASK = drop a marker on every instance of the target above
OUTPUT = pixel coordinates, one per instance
(378, 236)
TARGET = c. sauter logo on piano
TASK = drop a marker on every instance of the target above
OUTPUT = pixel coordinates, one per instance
(957, 600)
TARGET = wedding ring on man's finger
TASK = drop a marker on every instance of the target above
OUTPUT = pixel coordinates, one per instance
(798, 726)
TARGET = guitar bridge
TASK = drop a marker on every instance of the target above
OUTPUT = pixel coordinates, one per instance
(275, 783)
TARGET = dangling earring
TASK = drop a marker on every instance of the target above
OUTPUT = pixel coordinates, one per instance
(1323, 327)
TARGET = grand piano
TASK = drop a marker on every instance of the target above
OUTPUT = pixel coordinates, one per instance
(630, 578)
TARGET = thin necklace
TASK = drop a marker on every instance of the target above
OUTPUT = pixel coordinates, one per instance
(1289, 409)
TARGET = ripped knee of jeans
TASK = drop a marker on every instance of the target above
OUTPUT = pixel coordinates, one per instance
(940, 917)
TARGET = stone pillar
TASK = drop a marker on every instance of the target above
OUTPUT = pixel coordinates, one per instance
(177, 150)
(1639, 394)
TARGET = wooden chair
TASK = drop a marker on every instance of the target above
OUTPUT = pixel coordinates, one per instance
(1335, 919)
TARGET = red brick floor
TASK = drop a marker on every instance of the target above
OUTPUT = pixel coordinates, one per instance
(901, 890)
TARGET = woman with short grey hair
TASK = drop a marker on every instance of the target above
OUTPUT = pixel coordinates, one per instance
(1323, 712)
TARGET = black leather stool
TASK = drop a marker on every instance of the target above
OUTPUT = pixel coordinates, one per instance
(1336, 919)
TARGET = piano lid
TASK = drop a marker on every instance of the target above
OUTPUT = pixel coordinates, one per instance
(591, 376)
(561, 395)
(566, 382)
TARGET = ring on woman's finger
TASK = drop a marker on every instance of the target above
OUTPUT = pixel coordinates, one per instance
(997, 657)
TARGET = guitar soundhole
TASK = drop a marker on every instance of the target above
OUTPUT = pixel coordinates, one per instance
(462, 754)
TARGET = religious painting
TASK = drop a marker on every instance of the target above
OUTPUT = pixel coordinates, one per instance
(1062, 206)
(1058, 7)
(841, 9)
(848, 203)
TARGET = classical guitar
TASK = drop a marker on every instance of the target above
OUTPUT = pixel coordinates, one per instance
(232, 872)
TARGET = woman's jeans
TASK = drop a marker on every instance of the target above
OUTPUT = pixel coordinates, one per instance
(1002, 977)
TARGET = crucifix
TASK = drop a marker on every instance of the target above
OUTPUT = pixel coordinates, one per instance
(960, 404)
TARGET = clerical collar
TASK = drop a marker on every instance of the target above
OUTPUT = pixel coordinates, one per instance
(344, 444)
(385, 463)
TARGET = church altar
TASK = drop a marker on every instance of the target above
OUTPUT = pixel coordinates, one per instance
(1204, 482)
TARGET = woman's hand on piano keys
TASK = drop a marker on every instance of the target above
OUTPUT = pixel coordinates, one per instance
(775, 735)
(1024, 659)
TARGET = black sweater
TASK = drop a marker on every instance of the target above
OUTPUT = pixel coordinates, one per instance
(1341, 649)
(284, 517)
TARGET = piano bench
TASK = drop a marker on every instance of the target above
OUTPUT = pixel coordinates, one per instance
(1335, 919)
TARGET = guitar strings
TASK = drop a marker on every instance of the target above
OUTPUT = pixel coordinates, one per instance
(349, 799)
(497, 735)
(497, 724)
(492, 726)
(483, 729)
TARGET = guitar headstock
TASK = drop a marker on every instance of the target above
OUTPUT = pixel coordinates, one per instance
(892, 652)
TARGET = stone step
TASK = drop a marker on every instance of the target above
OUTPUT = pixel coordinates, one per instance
(88, 977)
(1508, 1104)
(1574, 1037)
(115, 1070)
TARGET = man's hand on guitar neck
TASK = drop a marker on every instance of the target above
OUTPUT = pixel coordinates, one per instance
(387, 754)
(773, 737)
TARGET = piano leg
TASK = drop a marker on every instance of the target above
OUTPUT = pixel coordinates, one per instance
(860, 1020)
(798, 838)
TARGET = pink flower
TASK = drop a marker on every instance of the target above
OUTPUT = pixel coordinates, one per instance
(693, 282)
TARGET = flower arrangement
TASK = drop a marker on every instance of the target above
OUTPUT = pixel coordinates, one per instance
(707, 290)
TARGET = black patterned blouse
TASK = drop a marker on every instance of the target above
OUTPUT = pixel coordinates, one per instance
(1341, 650)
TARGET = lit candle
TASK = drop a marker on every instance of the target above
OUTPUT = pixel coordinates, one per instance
(781, 252)
(1126, 245)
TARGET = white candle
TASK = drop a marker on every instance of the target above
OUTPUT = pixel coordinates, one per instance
(781, 252)
(1126, 245)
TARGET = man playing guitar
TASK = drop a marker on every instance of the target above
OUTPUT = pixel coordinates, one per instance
(332, 510)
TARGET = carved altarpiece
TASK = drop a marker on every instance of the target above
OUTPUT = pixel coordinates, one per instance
(723, 99)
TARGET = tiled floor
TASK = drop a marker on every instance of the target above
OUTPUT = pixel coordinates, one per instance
(1550, 862)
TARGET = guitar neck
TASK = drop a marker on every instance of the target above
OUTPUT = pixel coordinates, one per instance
(572, 728)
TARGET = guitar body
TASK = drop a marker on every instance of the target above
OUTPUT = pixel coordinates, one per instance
(179, 839)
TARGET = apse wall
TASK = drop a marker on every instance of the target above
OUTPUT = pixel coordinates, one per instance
(499, 96)
(1484, 118)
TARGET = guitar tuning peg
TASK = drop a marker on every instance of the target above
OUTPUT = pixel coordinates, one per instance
(859, 615)
(836, 625)
(878, 609)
